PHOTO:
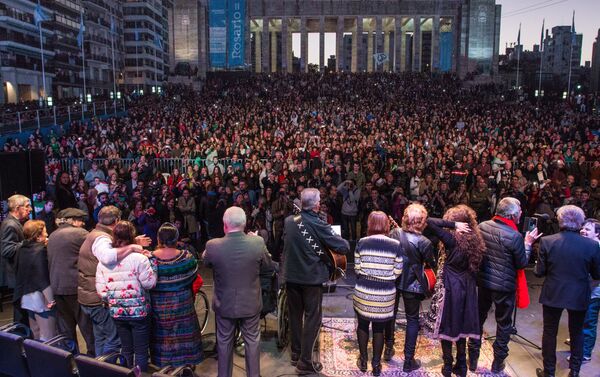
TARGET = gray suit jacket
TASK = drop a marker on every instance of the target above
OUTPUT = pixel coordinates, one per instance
(11, 239)
(237, 260)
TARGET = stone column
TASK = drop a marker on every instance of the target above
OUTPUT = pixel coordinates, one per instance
(359, 44)
(303, 46)
(435, 44)
(354, 62)
(273, 51)
(417, 45)
(257, 51)
(398, 44)
(203, 60)
(248, 47)
(369, 51)
(321, 44)
(284, 44)
(386, 50)
(265, 46)
(339, 44)
(290, 54)
(378, 42)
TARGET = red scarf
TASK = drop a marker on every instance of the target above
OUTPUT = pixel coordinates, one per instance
(522, 293)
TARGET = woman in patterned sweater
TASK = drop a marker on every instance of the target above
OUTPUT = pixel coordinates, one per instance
(378, 262)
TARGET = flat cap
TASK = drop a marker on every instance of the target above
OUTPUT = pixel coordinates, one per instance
(69, 213)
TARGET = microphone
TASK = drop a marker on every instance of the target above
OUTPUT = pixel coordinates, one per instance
(543, 216)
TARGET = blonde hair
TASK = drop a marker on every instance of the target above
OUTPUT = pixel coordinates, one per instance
(414, 219)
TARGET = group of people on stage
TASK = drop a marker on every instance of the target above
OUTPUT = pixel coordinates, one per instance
(124, 297)
(478, 265)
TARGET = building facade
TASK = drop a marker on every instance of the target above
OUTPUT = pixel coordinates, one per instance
(595, 79)
(147, 44)
(562, 52)
(377, 35)
(20, 52)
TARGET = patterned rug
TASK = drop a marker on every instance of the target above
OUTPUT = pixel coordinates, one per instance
(339, 351)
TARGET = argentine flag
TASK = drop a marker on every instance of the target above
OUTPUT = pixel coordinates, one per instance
(380, 58)
(39, 15)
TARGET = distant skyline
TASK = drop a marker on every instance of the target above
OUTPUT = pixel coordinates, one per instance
(530, 14)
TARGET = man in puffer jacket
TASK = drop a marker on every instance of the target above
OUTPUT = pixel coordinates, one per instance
(505, 253)
(124, 286)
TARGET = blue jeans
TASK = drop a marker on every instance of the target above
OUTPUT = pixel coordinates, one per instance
(135, 339)
(589, 327)
(106, 339)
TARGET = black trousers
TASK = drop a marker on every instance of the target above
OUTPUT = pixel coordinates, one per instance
(390, 327)
(412, 303)
(362, 334)
(504, 303)
(304, 305)
(551, 322)
(69, 316)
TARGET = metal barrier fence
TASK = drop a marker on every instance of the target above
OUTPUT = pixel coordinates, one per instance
(165, 165)
(37, 118)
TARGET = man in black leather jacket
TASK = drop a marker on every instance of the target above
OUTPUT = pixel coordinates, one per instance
(506, 252)
(304, 273)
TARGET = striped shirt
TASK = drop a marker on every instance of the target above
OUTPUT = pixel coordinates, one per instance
(378, 257)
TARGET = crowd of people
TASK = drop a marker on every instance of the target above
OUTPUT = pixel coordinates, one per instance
(349, 149)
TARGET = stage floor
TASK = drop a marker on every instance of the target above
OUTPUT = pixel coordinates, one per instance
(522, 360)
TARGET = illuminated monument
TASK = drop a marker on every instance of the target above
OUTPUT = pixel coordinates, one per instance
(369, 35)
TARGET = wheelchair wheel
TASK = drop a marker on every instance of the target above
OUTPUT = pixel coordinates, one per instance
(202, 310)
(283, 323)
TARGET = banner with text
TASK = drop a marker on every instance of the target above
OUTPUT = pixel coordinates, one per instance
(236, 17)
(217, 28)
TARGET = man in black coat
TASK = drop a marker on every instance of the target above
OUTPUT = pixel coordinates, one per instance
(505, 253)
(304, 274)
(237, 260)
(11, 240)
(566, 259)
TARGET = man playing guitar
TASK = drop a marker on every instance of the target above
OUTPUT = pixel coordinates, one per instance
(305, 269)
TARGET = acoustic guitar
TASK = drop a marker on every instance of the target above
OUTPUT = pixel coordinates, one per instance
(336, 263)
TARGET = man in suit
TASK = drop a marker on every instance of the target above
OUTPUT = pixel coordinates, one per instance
(237, 260)
(566, 259)
(305, 272)
(11, 239)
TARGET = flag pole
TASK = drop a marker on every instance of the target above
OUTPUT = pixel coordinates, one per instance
(137, 68)
(571, 56)
(112, 44)
(84, 103)
(45, 95)
(518, 55)
(541, 60)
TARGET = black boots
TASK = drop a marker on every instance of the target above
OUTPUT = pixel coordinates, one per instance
(388, 351)
(410, 364)
(376, 369)
(361, 363)
(498, 366)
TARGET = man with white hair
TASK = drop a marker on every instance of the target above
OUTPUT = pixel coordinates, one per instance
(11, 239)
(566, 259)
(237, 260)
(505, 252)
(305, 271)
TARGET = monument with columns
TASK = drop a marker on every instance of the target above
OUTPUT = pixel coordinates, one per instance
(368, 35)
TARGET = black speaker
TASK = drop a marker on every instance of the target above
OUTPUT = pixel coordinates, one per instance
(21, 173)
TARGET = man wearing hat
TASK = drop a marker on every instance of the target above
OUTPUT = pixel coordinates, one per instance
(63, 252)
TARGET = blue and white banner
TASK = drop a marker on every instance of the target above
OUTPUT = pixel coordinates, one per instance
(380, 58)
(236, 17)
(217, 29)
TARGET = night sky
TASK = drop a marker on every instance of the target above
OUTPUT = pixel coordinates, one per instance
(530, 14)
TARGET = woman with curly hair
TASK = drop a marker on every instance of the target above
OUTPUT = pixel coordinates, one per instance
(456, 295)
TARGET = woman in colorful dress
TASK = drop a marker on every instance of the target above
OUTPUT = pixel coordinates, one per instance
(176, 338)
(378, 262)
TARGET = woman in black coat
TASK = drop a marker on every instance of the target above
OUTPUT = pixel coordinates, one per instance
(65, 198)
(455, 299)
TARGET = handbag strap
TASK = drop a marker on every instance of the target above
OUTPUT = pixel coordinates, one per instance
(310, 239)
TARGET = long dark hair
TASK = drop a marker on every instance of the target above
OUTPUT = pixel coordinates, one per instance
(470, 243)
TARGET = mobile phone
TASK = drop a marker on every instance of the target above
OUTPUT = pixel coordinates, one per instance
(530, 223)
